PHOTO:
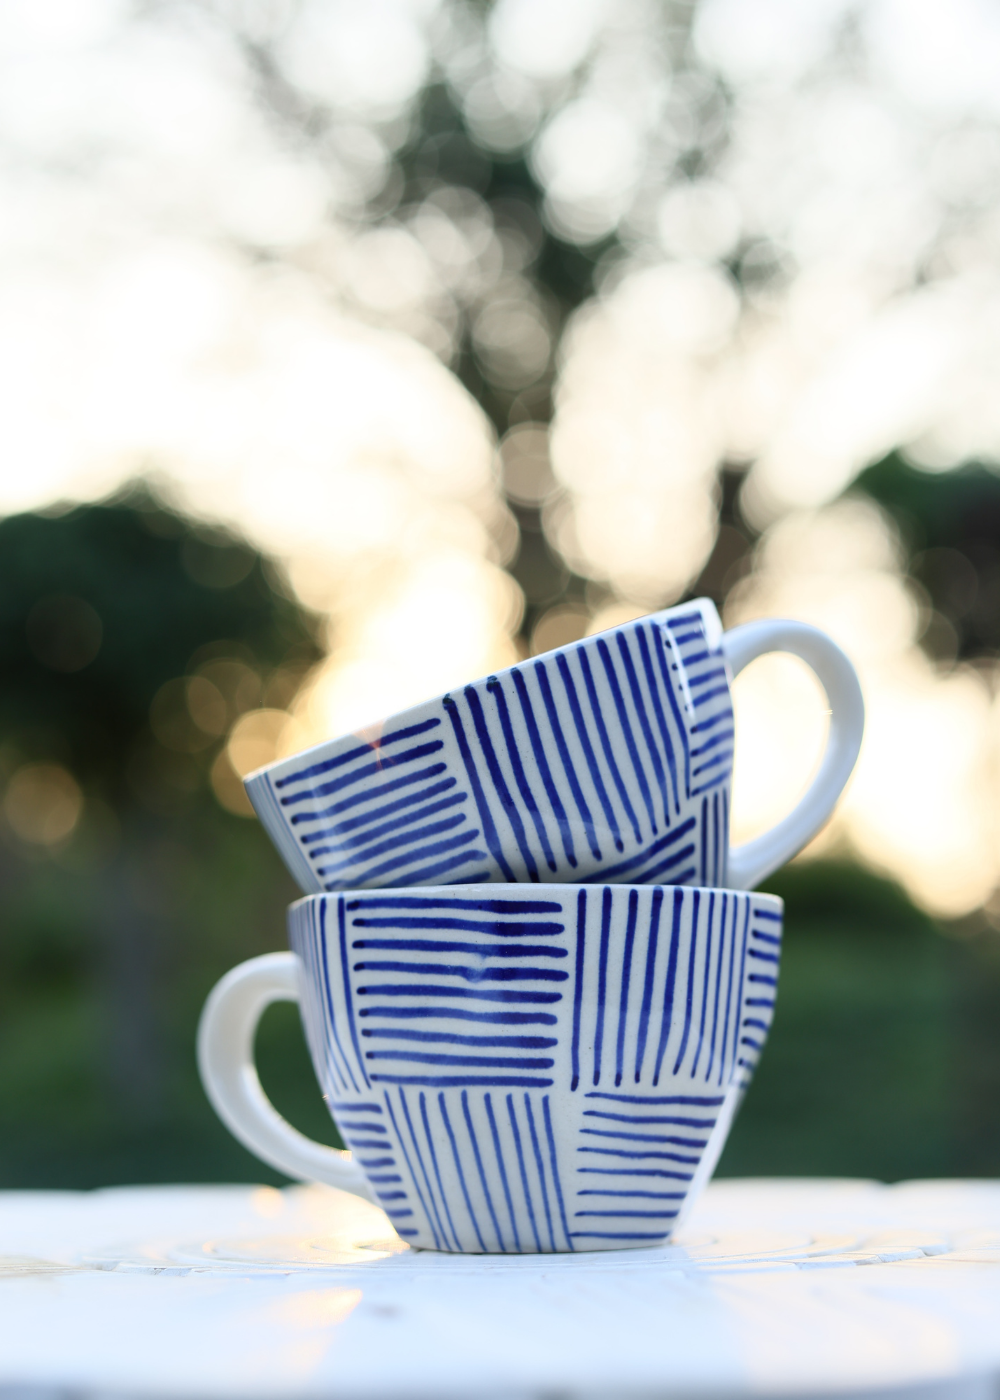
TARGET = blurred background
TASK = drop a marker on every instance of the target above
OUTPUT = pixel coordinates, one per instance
(352, 351)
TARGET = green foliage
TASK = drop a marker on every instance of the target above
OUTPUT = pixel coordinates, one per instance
(950, 526)
(101, 605)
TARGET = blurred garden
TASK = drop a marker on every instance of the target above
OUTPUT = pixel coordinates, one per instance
(353, 352)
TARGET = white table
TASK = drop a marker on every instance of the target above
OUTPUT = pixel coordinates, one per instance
(775, 1288)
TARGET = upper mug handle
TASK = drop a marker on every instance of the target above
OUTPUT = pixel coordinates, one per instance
(751, 862)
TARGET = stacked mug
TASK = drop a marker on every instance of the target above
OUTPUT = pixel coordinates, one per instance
(533, 977)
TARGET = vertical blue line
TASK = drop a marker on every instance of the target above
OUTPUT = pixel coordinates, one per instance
(741, 994)
(633, 910)
(660, 644)
(626, 728)
(479, 1166)
(527, 796)
(437, 1172)
(555, 1172)
(503, 1170)
(704, 840)
(668, 990)
(661, 719)
(724, 878)
(413, 1176)
(568, 765)
(609, 753)
(718, 985)
(324, 953)
(689, 1000)
(647, 986)
(710, 920)
(423, 1168)
(602, 981)
(729, 992)
(647, 733)
(524, 1174)
(538, 749)
(318, 976)
(461, 1173)
(345, 973)
(485, 815)
(581, 937)
(502, 790)
(588, 749)
(717, 849)
(541, 1168)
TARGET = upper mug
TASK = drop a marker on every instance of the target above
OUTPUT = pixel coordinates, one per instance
(608, 760)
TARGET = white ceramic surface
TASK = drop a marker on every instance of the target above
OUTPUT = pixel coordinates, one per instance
(773, 1289)
(518, 1069)
(606, 760)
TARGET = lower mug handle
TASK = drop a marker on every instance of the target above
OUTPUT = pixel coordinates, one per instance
(226, 1063)
(751, 862)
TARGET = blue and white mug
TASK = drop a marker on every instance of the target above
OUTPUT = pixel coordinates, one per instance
(606, 760)
(515, 1070)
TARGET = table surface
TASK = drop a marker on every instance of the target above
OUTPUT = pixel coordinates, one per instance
(784, 1288)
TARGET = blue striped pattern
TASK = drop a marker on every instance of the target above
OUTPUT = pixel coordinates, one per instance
(608, 760)
(536, 1069)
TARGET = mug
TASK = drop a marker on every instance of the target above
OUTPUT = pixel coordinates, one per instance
(515, 1070)
(606, 760)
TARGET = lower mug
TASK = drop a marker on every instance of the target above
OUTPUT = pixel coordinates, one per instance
(517, 1070)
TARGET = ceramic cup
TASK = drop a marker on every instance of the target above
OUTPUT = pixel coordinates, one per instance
(514, 1070)
(608, 760)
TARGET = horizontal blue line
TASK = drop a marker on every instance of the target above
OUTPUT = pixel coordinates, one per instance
(644, 1195)
(760, 977)
(639, 1156)
(712, 763)
(766, 937)
(407, 1234)
(357, 1107)
(398, 1214)
(409, 989)
(328, 764)
(360, 1144)
(722, 738)
(390, 808)
(469, 974)
(763, 957)
(634, 861)
(394, 843)
(759, 1001)
(511, 1042)
(391, 1195)
(463, 1081)
(705, 677)
(361, 799)
(707, 1123)
(461, 1061)
(353, 844)
(678, 879)
(710, 695)
(370, 770)
(455, 1013)
(754, 1045)
(378, 1162)
(482, 950)
(765, 914)
(704, 724)
(383, 1180)
(683, 621)
(629, 1214)
(752, 1021)
(635, 1171)
(697, 1100)
(641, 1137)
(480, 906)
(438, 925)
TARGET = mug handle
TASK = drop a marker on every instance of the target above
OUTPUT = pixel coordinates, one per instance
(226, 1063)
(751, 862)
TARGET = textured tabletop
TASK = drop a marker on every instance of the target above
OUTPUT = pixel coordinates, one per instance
(783, 1288)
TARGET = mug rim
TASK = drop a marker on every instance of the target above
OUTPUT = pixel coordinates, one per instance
(713, 629)
(536, 890)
